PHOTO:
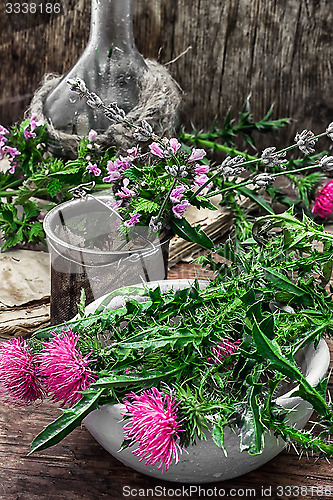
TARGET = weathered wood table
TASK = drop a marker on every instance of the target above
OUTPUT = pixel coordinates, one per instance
(79, 468)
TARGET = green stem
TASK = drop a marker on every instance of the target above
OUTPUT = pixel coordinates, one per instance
(248, 181)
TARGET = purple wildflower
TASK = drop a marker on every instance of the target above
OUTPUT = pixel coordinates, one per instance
(201, 169)
(175, 145)
(34, 123)
(113, 169)
(28, 134)
(180, 209)
(133, 153)
(201, 179)
(177, 194)
(11, 151)
(197, 154)
(19, 382)
(125, 192)
(223, 350)
(3, 130)
(92, 135)
(156, 150)
(114, 204)
(123, 163)
(93, 169)
(13, 166)
(64, 370)
(135, 219)
(153, 425)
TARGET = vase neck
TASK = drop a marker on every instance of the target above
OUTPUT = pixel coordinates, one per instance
(112, 24)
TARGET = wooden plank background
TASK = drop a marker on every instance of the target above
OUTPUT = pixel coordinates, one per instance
(278, 50)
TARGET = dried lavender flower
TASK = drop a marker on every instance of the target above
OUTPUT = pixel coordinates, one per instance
(144, 132)
(232, 166)
(172, 170)
(306, 141)
(272, 159)
(326, 163)
(263, 180)
(78, 86)
(154, 224)
(329, 131)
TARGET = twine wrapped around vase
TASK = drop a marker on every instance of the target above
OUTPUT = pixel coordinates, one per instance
(159, 100)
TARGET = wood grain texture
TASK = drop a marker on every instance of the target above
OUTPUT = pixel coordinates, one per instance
(278, 50)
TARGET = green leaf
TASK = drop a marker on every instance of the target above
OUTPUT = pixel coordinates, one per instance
(270, 350)
(149, 376)
(256, 198)
(252, 432)
(193, 234)
(147, 206)
(36, 232)
(31, 210)
(218, 435)
(54, 186)
(282, 282)
(67, 422)
(202, 202)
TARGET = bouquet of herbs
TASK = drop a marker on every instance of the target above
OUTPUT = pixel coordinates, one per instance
(153, 183)
(190, 363)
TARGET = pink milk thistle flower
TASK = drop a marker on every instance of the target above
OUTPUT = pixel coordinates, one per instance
(197, 154)
(125, 192)
(180, 209)
(323, 206)
(64, 370)
(19, 379)
(153, 426)
(92, 135)
(177, 194)
(134, 219)
(223, 350)
(93, 169)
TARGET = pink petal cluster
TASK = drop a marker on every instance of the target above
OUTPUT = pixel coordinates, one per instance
(201, 169)
(63, 368)
(223, 350)
(32, 126)
(125, 191)
(166, 149)
(179, 209)
(92, 135)
(323, 206)
(113, 169)
(134, 219)
(153, 426)
(133, 153)
(177, 194)
(93, 169)
(19, 378)
(197, 154)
